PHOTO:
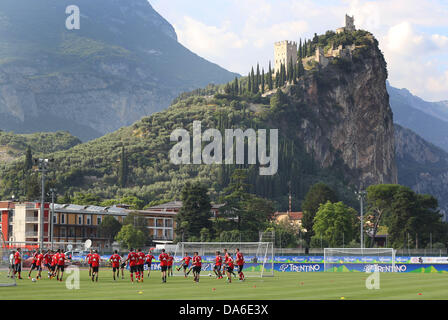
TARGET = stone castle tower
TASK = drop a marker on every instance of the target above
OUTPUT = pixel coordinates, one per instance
(284, 52)
(349, 25)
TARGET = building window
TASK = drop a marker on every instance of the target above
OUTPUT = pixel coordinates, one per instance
(71, 232)
(63, 218)
(55, 218)
(79, 219)
(89, 220)
(98, 220)
(62, 232)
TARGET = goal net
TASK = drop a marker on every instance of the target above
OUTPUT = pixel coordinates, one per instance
(6, 272)
(258, 256)
(359, 259)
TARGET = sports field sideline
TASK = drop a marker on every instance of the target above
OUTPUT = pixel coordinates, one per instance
(285, 286)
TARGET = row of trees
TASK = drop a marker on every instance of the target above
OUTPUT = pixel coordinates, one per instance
(259, 82)
(241, 219)
(408, 218)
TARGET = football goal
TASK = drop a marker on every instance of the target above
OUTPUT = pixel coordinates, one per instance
(6, 272)
(359, 259)
(258, 256)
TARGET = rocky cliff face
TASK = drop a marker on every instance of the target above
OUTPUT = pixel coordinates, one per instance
(124, 63)
(421, 165)
(346, 119)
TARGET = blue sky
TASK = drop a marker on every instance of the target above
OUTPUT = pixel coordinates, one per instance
(236, 34)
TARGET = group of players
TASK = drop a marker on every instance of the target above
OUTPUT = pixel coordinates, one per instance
(54, 260)
(136, 259)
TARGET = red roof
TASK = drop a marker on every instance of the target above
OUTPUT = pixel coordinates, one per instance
(292, 215)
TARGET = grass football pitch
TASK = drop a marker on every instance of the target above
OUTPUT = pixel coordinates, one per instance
(285, 286)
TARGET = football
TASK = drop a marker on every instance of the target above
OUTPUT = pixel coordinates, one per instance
(34, 280)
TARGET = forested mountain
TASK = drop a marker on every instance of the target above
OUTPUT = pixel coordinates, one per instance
(122, 64)
(14, 146)
(335, 125)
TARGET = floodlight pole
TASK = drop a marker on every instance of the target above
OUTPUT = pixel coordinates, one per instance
(52, 190)
(361, 196)
(43, 168)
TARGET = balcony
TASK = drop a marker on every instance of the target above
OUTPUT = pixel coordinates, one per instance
(31, 234)
(32, 220)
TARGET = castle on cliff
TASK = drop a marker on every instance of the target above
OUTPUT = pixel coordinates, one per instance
(285, 51)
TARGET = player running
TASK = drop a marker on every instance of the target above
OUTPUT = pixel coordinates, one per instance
(39, 262)
(226, 254)
(61, 265)
(18, 263)
(95, 259)
(89, 261)
(218, 265)
(148, 261)
(54, 263)
(229, 268)
(170, 264)
(197, 265)
(185, 263)
(240, 263)
(140, 265)
(132, 258)
(47, 261)
(33, 263)
(115, 260)
(163, 258)
(122, 267)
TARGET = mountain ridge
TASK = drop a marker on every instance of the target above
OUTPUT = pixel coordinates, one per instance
(123, 65)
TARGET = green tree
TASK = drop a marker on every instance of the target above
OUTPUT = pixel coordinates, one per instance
(235, 86)
(379, 201)
(195, 211)
(270, 83)
(86, 199)
(28, 159)
(130, 237)
(123, 171)
(318, 194)
(262, 81)
(109, 227)
(335, 223)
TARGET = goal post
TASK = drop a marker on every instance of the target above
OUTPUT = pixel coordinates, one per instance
(6, 272)
(359, 259)
(258, 256)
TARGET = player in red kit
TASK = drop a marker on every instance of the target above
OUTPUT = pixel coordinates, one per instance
(218, 265)
(33, 263)
(226, 255)
(163, 258)
(170, 264)
(185, 263)
(229, 267)
(115, 259)
(95, 259)
(61, 265)
(89, 261)
(240, 263)
(132, 258)
(197, 265)
(18, 263)
(47, 261)
(39, 262)
(140, 265)
(148, 260)
(54, 263)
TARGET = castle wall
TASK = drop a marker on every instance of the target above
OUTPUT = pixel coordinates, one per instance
(284, 51)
